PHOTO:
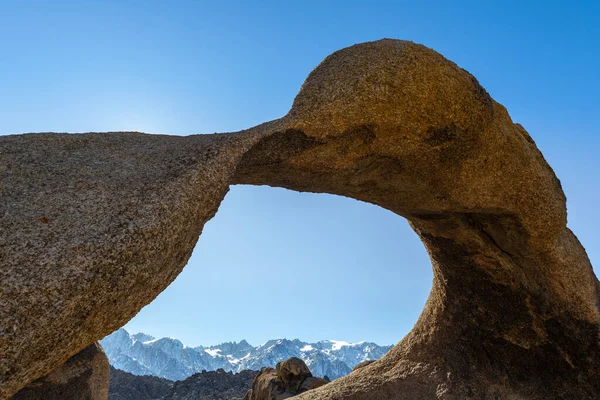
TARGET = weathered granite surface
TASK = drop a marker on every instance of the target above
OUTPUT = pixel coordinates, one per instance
(94, 226)
(290, 378)
(85, 376)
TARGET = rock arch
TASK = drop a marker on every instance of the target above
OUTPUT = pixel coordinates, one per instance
(94, 226)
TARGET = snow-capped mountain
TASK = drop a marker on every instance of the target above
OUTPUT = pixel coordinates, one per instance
(142, 354)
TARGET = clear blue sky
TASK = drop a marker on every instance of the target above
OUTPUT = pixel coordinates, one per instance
(275, 263)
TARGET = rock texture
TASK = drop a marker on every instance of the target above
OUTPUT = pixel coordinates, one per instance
(289, 378)
(85, 376)
(94, 226)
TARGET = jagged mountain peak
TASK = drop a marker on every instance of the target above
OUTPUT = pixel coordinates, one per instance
(142, 337)
(169, 358)
(234, 349)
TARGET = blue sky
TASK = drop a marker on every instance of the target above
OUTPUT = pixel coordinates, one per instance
(275, 263)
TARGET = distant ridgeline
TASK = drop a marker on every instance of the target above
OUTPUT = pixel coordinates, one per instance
(210, 385)
(142, 354)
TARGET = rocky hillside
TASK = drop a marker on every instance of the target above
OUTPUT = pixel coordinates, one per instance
(142, 354)
(211, 385)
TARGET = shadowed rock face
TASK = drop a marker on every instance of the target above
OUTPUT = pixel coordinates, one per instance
(85, 376)
(94, 226)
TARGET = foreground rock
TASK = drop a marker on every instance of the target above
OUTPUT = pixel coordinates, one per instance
(85, 376)
(93, 227)
(289, 378)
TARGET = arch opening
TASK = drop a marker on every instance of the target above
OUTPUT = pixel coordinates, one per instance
(275, 264)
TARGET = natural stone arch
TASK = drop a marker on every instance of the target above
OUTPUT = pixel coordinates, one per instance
(112, 219)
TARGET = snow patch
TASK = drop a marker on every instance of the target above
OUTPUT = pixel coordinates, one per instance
(213, 353)
(334, 358)
(338, 344)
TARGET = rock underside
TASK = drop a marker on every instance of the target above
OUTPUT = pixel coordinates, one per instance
(94, 226)
(85, 376)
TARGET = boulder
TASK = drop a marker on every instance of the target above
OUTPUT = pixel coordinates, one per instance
(95, 226)
(292, 369)
(312, 382)
(289, 378)
(85, 376)
(268, 386)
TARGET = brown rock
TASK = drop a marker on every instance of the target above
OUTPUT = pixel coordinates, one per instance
(363, 364)
(85, 376)
(268, 386)
(292, 368)
(290, 378)
(312, 382)
(94, 226)
(124, 212)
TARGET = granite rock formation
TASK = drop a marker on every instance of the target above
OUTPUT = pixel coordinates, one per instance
(289, 378)
(85, 376)
(94, 226)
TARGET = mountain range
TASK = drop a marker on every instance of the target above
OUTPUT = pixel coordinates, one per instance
(142, 354)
